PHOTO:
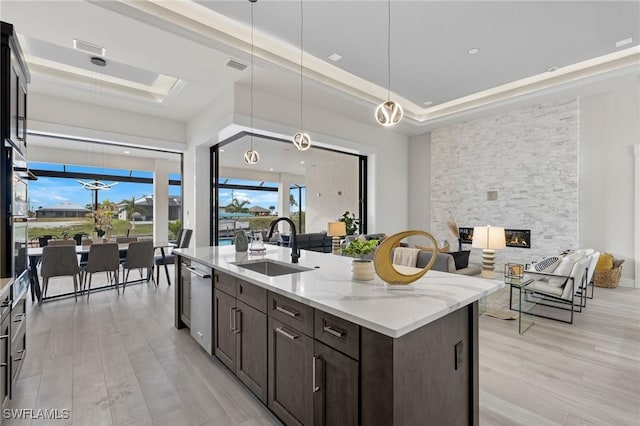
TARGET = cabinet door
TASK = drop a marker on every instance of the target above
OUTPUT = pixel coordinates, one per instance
(290, 384)
(13, 103)
(185, 295)
(251, 362)
(224, 334)
(21, 130)
(335, 386)
(4, 360)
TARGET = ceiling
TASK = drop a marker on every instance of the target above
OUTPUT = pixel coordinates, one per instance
(167, 59)
(272, 152)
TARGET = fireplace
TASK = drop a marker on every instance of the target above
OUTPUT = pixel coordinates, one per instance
(518, 238)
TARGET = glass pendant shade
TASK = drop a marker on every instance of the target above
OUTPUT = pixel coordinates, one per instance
(302, 141)
(251, 156)
(389, 113)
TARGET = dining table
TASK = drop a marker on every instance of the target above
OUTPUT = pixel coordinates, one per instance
(35, 254)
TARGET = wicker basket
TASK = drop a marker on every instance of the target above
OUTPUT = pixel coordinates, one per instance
(608, 278)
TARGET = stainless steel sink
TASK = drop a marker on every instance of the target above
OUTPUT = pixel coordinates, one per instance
(271, 268)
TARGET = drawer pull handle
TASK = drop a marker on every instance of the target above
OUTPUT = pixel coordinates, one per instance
(16, 319)
(316, 388)
(232, 320)
(332, 331)
(21, 352)
(237, 321)
(4, 364)
(198, 273)
(286, 311)
(6, 336)
(6, 304)
(286, 333)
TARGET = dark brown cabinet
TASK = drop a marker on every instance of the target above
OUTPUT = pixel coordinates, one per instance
(290, 374)
(240, 332)
(185, 294)
(224, 336)
(335, 387)
(5, 330)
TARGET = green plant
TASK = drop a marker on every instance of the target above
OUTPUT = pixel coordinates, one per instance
(359, 247)
(131, 208)
(174, 228)
(351, 222)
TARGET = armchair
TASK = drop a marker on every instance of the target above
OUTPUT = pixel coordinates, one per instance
(560, 291)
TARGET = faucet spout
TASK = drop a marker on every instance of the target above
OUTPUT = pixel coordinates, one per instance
(295, 251)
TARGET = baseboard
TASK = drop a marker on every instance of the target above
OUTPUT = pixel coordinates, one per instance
(627, 282)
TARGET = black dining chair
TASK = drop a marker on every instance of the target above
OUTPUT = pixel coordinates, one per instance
(184, 238)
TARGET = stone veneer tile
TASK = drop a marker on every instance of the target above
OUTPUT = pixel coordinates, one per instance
(528, 155)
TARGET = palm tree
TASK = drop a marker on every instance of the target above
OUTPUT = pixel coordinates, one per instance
(292, 200)
(272, 209)
(237, 206)
(131, 209)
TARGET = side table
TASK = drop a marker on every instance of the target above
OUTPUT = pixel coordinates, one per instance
(526, 301)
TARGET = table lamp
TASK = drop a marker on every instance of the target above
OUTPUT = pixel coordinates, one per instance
(489, 239)
(336, 230)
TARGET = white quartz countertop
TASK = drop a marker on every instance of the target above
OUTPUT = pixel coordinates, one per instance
(390, 310)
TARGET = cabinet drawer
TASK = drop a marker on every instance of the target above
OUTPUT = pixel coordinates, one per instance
(252, 295)
(338, 333)
(18, 319)
(18, 353)
(5, 306)
(291, 313)
(224, 282)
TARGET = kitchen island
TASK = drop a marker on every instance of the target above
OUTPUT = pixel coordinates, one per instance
(319, 348)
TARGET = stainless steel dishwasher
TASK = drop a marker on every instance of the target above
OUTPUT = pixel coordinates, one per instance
(201, 304)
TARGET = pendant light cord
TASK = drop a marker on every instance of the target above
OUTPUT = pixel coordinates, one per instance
(301, 55)
(389, 50)
(252, 3)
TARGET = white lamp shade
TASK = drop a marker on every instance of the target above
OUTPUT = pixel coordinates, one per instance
(488, 237)
(336, 229)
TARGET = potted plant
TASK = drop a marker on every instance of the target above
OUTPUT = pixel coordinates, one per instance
(361, 269)
(351, 222)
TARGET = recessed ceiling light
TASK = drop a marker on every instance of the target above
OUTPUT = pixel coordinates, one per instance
(270, 169)
(427, 103)
(127, 152)
(302, 162)
(624, 42)
(473, 51)
(335, 57)
(221, 150)
(95, 60)
(552, 69)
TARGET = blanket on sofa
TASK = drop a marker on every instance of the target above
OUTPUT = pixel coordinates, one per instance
(405, 256)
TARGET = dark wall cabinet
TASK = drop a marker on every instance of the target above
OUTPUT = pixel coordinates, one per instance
(313, 368)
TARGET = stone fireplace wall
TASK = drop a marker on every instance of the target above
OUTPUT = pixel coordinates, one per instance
(517, 170)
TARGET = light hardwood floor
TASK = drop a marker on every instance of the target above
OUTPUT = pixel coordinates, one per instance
(118, 360)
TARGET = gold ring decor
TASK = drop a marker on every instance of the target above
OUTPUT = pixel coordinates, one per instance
(382, 260)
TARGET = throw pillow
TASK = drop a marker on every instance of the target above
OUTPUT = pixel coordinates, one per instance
(605, 262)
(547, 264)
(461, 258)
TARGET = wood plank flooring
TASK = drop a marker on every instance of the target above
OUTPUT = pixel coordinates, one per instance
(118, 360)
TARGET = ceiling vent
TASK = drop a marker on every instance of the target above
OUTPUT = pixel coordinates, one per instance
(94, 49)
(232, 63)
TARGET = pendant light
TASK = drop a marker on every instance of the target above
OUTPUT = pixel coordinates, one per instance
(301, 140)
(389, 113)
(251, 156)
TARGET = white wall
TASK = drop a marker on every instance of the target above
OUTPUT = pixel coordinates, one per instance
(331, 190)
(202, 133)
(530, 157)
(609, 129)
(388, 152)
(420, 182)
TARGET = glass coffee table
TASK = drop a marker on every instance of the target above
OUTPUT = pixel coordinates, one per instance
(526, 301)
